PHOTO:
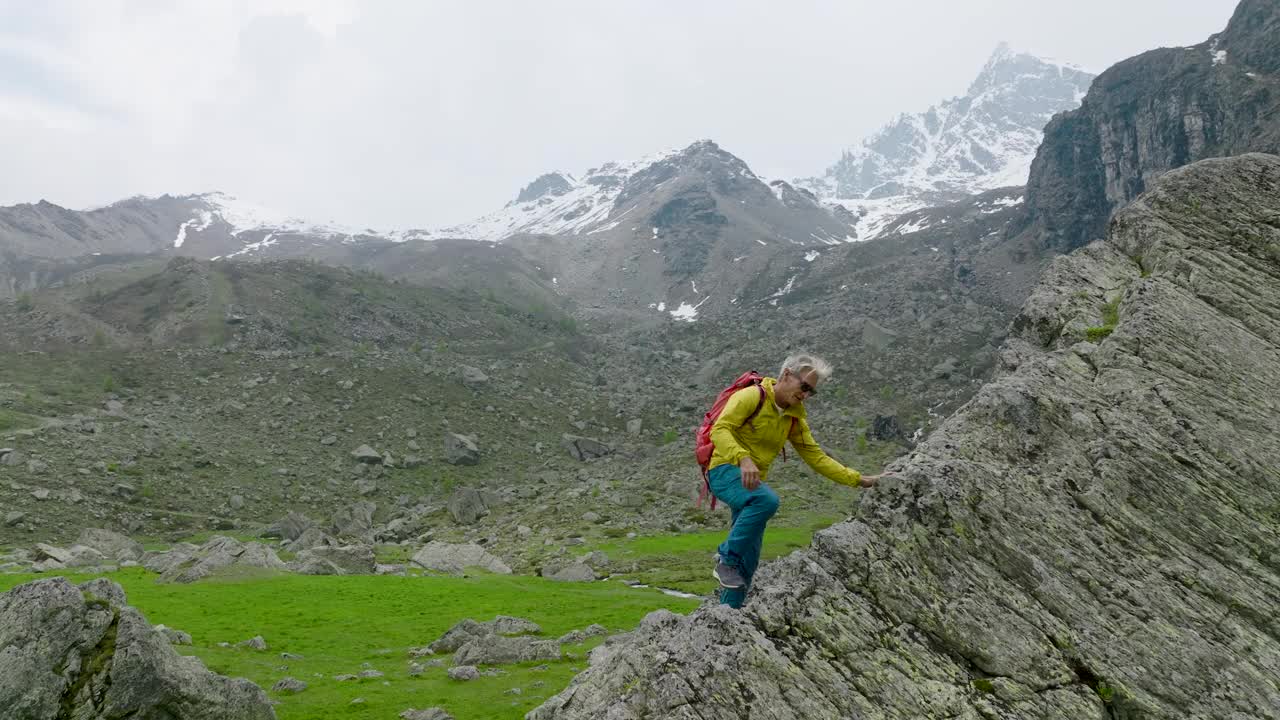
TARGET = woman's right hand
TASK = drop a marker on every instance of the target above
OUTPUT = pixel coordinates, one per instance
(750, 473)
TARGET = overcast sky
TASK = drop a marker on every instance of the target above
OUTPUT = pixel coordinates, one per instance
(426, 113)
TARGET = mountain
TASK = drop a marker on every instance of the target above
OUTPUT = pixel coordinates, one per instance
(616, 194)
(1152, 113)
(980, 141)
(676, 235)
(1086, 538)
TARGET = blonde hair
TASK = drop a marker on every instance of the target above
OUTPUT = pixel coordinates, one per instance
(802, 363)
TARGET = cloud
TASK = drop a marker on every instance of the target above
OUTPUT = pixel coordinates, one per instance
(396, 114)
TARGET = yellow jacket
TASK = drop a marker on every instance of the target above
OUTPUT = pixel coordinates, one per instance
(764, 436)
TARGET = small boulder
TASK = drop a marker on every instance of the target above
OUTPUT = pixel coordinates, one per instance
(461, 450)
(289, 685)
(472, 377)
(434, 713)
(367, 455)
(254, 643)
(464, 672)
(584, 448)
(573, 572)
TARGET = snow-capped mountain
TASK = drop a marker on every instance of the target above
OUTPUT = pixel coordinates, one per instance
(983, 140)
(607, 197)
(680, 232)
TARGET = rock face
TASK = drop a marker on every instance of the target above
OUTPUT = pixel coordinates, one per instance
(72, 652)
(1152, 113)
(1092, 536)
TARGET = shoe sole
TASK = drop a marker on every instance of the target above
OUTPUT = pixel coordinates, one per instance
(715, 575)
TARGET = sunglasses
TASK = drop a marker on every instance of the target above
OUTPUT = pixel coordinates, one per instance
(806, 387)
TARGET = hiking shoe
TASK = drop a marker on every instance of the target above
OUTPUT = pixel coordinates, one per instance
(729, 577)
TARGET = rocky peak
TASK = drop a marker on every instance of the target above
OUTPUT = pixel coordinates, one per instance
(549, 185)
(1252, 38)
(962, 146)
(1153, 113)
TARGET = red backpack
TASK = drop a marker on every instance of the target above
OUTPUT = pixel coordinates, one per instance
(704, 448)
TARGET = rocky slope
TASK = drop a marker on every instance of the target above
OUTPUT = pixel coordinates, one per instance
(81, 652)
(1088, 537)
(1152, 113)
(980, 141)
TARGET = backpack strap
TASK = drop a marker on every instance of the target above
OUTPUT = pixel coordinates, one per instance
(759, 405)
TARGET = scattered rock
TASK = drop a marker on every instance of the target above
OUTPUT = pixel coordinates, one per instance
(13, 518)
(354, 520)
(464, 672)
(434, 713)
(583, 448)
(367, 455)
(174, 637)
(460, 450)
(371, 674)
(289, 685)
(473, 377)
(254, 643)
(290, 527)
(466, 506)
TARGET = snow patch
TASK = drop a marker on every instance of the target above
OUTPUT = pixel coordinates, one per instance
(687, 312)
(200, 223)
(811, 255)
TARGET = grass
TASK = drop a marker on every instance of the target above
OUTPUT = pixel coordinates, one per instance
(11, 420)
(1110, 318)
(338, 624)
(683, 562)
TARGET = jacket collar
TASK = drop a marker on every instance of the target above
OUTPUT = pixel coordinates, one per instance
(796, 410)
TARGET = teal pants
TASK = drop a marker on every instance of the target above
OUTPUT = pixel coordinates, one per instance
(751, 511)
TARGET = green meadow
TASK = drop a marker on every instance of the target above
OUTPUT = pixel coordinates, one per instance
(344, 625)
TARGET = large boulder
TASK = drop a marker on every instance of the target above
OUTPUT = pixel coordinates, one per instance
(220, 553)
(79, 652)
(289, 527)
(310, 538)
(330, 560)
(467, 506)
(569, 572)
(113, 545)
(464, 631)
(502, 650)
(354, 520)
(454, 558)
(584, 448)
(1093, 535)
(461, 450)
(164, 561)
